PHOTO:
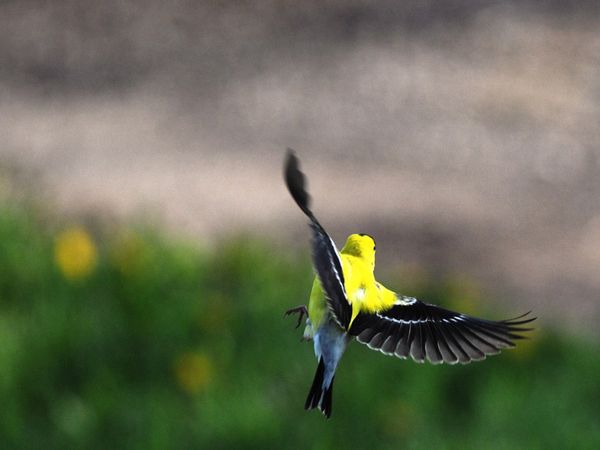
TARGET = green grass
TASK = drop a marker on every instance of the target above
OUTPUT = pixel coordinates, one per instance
(93, 362)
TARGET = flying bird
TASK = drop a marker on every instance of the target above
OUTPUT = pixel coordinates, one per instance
(347, 302)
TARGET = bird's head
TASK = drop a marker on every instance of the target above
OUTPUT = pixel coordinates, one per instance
(361, 246)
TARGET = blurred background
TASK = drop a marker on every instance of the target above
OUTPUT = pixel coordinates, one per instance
(148, 247)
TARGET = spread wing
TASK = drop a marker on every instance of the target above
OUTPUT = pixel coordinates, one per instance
(326, 257)
(423, 331)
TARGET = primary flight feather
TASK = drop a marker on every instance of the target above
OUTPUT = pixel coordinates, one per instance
(347, 301)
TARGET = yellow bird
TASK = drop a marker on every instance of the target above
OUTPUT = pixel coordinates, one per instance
(347, 301)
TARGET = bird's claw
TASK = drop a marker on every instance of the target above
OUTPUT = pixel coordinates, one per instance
(301, 310)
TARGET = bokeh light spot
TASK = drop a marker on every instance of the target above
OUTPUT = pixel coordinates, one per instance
(75, 253)
(193, 372)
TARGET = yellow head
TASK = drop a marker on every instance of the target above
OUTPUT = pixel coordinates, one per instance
(361, 246)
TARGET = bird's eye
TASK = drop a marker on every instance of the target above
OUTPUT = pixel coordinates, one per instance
(374, 247)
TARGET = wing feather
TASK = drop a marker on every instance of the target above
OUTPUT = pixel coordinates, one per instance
(429, 332)
(403, 347)
(326, 258)
(432, 349)
(446, 352)
(417, 351)
(390, 343)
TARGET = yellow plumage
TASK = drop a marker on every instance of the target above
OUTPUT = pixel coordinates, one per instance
(363, 292)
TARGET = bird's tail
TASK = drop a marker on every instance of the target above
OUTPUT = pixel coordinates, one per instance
(320, 396)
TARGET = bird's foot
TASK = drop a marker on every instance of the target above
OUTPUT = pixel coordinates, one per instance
(301, 310)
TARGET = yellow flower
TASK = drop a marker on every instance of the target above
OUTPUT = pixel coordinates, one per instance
(193, 372)
(75, 253)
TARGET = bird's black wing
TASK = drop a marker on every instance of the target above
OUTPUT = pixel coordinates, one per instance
(425, 331)
(326, 257)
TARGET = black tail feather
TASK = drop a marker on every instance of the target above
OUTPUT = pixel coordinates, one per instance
(317, 397)
(327, 402)
(314, 395)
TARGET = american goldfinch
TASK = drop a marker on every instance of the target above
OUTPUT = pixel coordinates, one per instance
(347, 301)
